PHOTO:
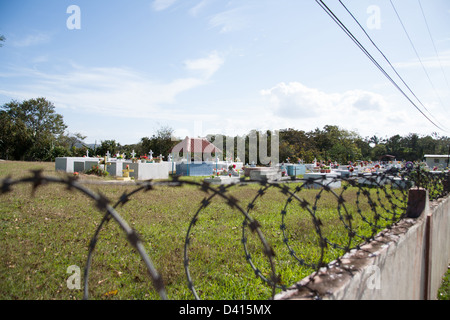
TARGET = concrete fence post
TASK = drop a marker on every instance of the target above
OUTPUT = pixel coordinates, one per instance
(417, 202)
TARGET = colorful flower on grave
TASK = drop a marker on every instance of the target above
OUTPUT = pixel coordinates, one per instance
(75, 173)
(409, 165)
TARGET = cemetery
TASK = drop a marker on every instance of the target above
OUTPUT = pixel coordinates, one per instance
(197, 157)
(147, 168)
(197, 161)
(217, 233)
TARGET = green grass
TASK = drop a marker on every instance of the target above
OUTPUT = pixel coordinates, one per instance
(444, 290)
(42, 236)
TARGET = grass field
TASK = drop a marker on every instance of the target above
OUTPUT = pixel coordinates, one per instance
(43, 235)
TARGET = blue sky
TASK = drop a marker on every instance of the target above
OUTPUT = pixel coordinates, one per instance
(213, 66)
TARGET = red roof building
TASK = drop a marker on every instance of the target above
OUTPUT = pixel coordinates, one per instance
(195, 145)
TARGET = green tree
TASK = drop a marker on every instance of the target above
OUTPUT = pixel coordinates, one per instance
(72, 144)
(378, 151)
(364, 146)
(108, 145)
(31, 129)
(159, 143)
(14, 140)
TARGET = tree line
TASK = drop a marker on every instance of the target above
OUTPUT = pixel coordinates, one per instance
(31, 130)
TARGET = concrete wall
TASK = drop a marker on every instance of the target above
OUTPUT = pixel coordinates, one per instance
(404, 263)
(439, 242)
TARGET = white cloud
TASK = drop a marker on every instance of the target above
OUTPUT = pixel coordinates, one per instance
(295, 100)
(298, 106)
(228, 21)
(32, 40)
(121, 92)
(195, 10)
(307, 108)
(205, 66)
(428, 62)
(159, 5)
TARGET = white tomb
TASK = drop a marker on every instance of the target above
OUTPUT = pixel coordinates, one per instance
(322, 179)
(67, 164)
(265, 173)
(147, 171)
(223, 180)
(142, 171)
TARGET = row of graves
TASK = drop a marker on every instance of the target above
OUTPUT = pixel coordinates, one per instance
(199, 157)
(365, 172)
(144, 168)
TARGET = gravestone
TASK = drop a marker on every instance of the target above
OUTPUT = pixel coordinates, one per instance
(126, 174)
(322, 179)
(345, 173)
(149, 171)
(373, 179)
(195, 169)
(265, 174)
(295, 169)
(115, 168)
(223, 180)
(67, 164)
(78, 166)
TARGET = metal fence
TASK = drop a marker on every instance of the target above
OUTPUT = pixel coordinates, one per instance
(386, 194)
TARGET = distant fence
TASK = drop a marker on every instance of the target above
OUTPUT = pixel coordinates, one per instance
(394, 185)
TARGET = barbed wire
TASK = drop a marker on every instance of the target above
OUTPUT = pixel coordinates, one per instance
(386, 195)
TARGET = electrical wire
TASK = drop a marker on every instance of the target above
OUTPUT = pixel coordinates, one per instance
(417, 54)
(434, 45)
(389, 62)
(353, 38)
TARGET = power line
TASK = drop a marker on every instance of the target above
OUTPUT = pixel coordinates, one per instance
(384, 56)
(415, 50)
(353, 38)
(434, 45)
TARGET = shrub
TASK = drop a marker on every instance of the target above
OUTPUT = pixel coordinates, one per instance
(97, 171)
